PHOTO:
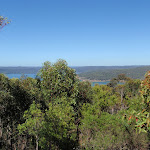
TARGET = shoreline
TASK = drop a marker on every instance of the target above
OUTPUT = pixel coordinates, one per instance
(83, 79)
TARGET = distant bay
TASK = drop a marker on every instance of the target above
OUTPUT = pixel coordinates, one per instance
(100, 83)
(10, 76)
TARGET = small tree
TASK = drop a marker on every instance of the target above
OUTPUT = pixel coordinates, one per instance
(34, 122)
(143, 116)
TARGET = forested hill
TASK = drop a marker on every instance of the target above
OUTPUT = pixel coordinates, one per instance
(133, 72)
(19, 70)
(83, 69)
(79, 69)
(88, 72)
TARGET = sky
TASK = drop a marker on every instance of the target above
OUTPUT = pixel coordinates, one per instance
(82, 32)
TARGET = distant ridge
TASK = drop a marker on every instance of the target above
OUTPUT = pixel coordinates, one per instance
(88, 72)
(19, 70)
(79, 69)
(82, 69)
(107, 74)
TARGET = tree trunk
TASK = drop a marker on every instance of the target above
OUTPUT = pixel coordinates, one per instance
(1, 127)
(121, 99)
(112, 110)
(37, 142)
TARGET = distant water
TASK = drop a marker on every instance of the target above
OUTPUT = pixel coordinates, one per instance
(100, 83)
(10, 76)
(19, 75)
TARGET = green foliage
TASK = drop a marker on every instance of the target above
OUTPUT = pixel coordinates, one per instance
(14, 100)
(34, 120)
(107, 131)
(133, 87)
(57, 111)
(104, 98)
(143, 116)
(60, 129)
(58, 80)
(85, 93)
(4, 93)
(57, 88)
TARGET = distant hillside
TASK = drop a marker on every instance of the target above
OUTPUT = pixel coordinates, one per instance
(88, 72)
(19, 70)
(34, 70)
(135, 73)
(100, 68)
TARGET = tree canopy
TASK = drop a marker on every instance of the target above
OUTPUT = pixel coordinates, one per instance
(57, 111)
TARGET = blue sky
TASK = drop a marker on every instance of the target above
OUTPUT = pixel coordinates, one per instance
(83, 32)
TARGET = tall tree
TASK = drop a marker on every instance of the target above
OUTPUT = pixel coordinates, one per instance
(58, 80)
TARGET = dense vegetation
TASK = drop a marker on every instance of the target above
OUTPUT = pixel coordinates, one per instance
(135, 73)
(56, 111)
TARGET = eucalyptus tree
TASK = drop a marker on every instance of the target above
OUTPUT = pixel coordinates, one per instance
(57, 80)
(56, 89)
